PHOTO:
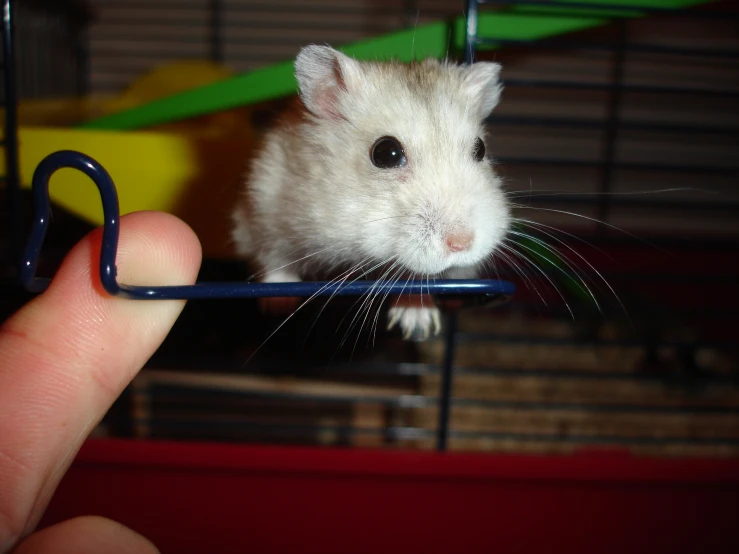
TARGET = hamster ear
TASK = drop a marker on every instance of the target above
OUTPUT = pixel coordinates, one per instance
(482, 80)
(323, 74)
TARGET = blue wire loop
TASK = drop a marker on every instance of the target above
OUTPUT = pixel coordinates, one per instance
(487, 291)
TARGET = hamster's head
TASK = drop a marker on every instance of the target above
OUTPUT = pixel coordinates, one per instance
(403, 146)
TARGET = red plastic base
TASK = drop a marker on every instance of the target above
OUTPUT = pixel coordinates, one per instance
(204, 498)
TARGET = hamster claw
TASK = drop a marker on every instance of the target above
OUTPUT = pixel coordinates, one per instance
(436, 318)
(394, 317)
(416, 323)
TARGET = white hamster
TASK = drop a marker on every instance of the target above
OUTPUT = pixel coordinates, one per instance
(386, 165)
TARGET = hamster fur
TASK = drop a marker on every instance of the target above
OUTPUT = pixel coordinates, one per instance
(314, 193)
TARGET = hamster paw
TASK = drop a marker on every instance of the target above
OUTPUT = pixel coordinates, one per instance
(416, 323)
(278, 305)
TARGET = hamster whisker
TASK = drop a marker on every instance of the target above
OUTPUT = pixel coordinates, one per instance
(595, 220)
(268, 272)
(413, 40)
(355, 303)
(393, 280)
(373, 268)
(518, 269)
(545, 192)
(525, 258)
(342, 281)
(580, 256)
(491, 262)
(537, 225)
(301, 244)
(401, 273)
(281, 325)
(363, 274)
(386, 218)
(428, 288)
(375, 294)
(559, 256)
(366, 305)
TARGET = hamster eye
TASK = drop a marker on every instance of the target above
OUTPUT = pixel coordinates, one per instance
(387, 152)
(479, 151)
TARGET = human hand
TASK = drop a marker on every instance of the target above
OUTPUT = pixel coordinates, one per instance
(64, 358)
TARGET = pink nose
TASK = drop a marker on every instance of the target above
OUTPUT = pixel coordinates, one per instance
(458, 242)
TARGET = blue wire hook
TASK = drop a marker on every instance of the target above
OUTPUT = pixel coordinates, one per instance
(489, 291)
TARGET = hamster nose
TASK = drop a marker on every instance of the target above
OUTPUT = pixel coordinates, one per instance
(460, 241)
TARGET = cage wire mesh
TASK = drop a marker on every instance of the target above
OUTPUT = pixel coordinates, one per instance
(592, 120)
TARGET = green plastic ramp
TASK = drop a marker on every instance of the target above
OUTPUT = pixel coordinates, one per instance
(519, 22)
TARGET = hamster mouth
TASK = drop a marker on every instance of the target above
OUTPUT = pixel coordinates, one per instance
(436, 273)
(435, 266)
(406, 274)
(417, 275)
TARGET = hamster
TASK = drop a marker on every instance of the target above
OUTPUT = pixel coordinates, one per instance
(385, 169)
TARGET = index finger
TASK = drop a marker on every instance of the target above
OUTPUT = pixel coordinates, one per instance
(68, 354)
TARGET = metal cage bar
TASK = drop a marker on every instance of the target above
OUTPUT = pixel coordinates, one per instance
(10, 140)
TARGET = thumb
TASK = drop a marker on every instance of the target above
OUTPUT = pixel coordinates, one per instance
(68, 354)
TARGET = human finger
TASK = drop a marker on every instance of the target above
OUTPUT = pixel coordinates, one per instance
(68, 354)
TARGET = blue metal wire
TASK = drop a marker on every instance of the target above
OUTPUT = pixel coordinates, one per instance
(494, 290)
